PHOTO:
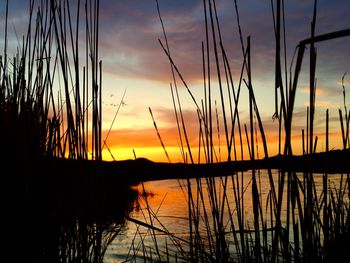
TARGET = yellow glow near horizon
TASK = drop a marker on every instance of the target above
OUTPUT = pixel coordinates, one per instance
(152, 153)
(156, 153)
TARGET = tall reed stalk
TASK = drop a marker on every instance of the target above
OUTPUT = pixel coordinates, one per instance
(51, 109)
(293, 222)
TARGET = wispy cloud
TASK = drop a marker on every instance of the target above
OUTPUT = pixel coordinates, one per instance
(325, 104)
(323, 91)
(129, 48)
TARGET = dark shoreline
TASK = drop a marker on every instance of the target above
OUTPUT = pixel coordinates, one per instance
(141, 169)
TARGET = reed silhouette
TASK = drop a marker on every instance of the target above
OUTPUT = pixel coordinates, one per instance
(55, 208)
(60, 200)
(294, 222)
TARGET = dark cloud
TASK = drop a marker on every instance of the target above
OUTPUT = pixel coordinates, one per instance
(129, 32)
(137, 28)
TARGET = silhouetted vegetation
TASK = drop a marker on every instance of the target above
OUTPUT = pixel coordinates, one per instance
(294, 222)
(58, 206)
(50, 110)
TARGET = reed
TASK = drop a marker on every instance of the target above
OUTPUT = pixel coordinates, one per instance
(50, 115)
(311, 224)
(50, 106)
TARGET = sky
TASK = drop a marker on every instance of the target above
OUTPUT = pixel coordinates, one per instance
(135, 64)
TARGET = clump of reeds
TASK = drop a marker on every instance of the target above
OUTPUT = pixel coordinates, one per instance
(44, 88)
(50, 109)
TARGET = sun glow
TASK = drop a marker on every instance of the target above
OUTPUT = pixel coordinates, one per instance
(155, 152)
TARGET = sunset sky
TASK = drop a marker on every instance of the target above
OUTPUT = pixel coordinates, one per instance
(134, 62)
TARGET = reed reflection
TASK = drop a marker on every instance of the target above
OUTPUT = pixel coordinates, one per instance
(65, 213)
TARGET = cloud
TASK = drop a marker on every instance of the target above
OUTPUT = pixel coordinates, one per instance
(129, 38)
(129, 48)
(325, 104)
(323, 91)
(129, 32)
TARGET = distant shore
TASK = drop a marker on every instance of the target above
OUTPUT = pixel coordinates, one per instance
(141, 169)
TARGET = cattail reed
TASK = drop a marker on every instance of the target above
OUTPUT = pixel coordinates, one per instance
(50, 110)
(294, 222)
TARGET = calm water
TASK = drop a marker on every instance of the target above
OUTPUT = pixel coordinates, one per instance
(167, 200)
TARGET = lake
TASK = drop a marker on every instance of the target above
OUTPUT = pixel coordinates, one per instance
(164, 208)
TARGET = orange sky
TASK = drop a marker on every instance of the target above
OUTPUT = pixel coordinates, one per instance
(145, 75)
(134, 63)
(145, 143)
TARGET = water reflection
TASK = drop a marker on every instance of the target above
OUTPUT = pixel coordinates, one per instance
(167, 209)
(74, 215)
(62, 214)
